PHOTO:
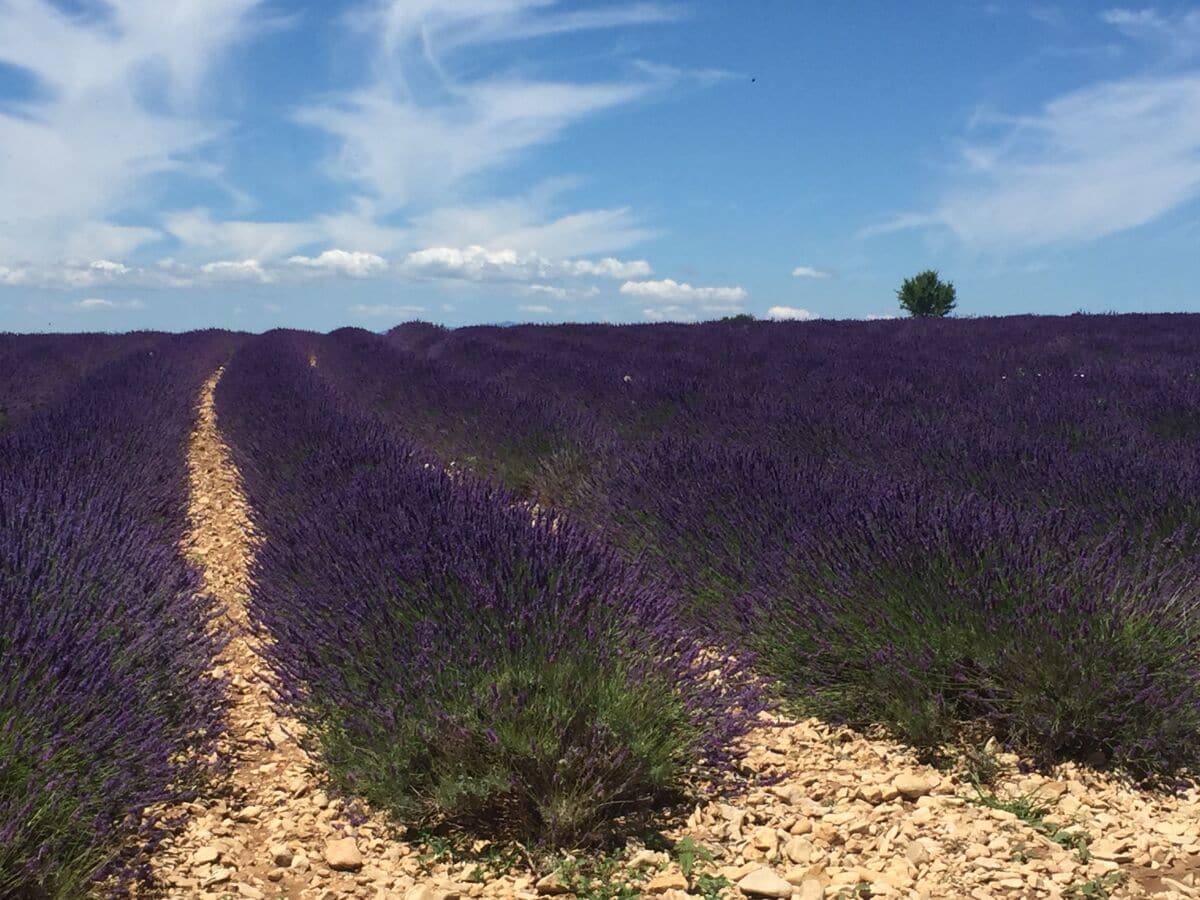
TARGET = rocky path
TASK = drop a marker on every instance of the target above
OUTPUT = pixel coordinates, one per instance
(273, 832)
(845, 816)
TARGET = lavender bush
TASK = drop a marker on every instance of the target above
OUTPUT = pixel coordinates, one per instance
(921, 524)
(105, 707)
(525, 441)
(456, 656)
(39, 369)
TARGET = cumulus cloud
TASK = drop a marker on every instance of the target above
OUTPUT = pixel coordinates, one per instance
(810, 272)
(608, 268)
(356, 264)
(476, 263)
(669, 289)
(74, 274)
(531, 271)
(233, 270)
(790, 313)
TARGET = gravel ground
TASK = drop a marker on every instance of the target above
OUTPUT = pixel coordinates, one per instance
(844, 815)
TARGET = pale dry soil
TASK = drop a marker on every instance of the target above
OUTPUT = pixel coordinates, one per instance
(846, 816)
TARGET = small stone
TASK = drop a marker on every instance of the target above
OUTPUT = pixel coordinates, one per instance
(764, 883)
(810, 889)
(217, 876)
(917, 853)
(248, 813)
(551, 884)
(281, 856)
(1115, 850)
(799, 850)
(275, 875)
(425, 892)
(669, 881)
(765, 838)
(246, 890)
(647, 858)
(206, 855)
(342, 855)
(911, 786)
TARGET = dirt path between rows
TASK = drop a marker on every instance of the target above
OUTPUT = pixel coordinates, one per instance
(845, 816)
(269, 834)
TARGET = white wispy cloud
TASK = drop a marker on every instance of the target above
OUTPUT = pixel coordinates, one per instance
(414, 142)
(68, 172)
(810, 272)
(1091, 163)
(791, 313)
(99, 304)
(197, 230)
(384, 310)
(559, 292)
(535, 308)
(526, 224)
(420, 128)
(1177, 33)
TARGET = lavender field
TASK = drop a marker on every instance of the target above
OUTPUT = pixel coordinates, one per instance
(536, 584)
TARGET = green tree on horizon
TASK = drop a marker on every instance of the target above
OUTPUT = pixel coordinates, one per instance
(926, 294)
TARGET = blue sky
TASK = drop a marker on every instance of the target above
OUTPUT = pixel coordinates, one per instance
(258, 163)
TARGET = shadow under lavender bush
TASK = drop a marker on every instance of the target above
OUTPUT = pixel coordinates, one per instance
(456, 656)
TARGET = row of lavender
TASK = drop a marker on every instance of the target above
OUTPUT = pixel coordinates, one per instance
(929, 525)
(105, 707)
(38, 369)
(455, 655)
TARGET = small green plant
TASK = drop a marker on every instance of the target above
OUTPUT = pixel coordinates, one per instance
(1032, 813)
(926, 295)
(494, 862)
(1100, 887)
(982, 765)
(438, 849)
(688, 851)
(593, 878)
(1025, 807)
(1021, 853)
(861, 889)
(711, 887)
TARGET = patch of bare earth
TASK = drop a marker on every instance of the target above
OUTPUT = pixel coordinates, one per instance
(845, 816)
(851, 816)
(273, 831)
